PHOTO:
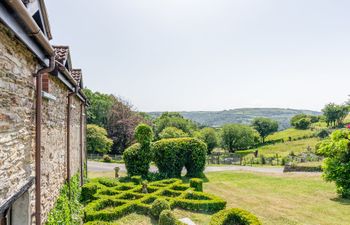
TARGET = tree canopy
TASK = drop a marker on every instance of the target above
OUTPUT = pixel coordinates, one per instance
(265, 126)
(97, 140)
(208, 135)
(335, 114)
(172, 132)
(238, 136)
(173, 119)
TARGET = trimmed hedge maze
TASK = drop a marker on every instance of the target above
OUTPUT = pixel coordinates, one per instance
(108, 199)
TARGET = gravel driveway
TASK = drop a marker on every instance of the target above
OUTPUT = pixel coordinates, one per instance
(100, 166)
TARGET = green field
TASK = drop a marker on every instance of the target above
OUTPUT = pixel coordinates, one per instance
(283, 149)
(291, 132)
(275, 199)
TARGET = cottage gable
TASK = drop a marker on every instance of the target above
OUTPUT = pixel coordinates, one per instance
(37, 10)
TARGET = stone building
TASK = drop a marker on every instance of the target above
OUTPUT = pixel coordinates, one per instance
(42, 115)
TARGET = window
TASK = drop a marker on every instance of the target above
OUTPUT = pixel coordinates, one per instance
(18, 213)
(5, 218)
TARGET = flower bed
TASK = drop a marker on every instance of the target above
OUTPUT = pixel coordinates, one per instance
(109, 199)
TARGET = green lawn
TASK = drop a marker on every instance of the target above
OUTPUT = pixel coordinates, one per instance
(276, 199)
(281, 199)
(285, 148)
(291, 132)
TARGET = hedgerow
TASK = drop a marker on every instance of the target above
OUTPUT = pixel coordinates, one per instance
(171, 155)
(234, 216)
(111, 199)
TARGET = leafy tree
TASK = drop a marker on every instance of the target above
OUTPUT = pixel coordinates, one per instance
(303, 123)
(265, 126)
(172, 132)
(173, 119)
(336, 166)
(97, 140)
(100, 105)
(121, 123)
(238, 136)
(335, 114)
(208, 136)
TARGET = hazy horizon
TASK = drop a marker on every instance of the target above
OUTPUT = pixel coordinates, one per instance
(205, 55)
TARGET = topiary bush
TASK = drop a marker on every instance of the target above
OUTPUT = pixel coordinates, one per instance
(171, 155)
(107, 158)
(139, 156)
(158, 206)
(167, 218)
(144, 134)
(136, 179)
(234, 216)
(197, 184)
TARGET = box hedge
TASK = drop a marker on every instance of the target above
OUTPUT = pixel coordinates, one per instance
(234, 216)
(171, 155)
(197, 184)
(111, 200)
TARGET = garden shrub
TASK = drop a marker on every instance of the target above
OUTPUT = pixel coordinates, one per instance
(136, 179)
(87, 191)
(234, 217)
(107, 158)
(166, 217)
(158, 206)
(197, 184)
(144, 134)
(336, 166)
(139, 156)
(171, 155)
(67, 210)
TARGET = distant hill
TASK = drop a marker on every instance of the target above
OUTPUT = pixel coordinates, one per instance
(243, 116)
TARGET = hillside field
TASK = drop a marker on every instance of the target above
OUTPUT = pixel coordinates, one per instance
(243, 116)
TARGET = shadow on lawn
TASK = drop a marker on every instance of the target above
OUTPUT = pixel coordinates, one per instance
(342, 201)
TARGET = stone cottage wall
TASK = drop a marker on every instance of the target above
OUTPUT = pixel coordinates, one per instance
(54, 144)
(17, 90)
(75, 136)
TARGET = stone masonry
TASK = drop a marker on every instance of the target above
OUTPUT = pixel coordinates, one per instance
(17, 127)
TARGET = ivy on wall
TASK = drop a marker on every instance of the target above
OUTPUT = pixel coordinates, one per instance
(67, 211)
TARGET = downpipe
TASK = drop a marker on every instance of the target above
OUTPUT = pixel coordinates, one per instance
(38, 117)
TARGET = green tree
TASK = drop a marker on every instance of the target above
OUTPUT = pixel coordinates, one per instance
(335, 114)
(173, 119)
(172, 132)
(303, 121)
(238, 136)
(98, 110)
(265, 126)
(97, 140)
(336, 166)
(208, 136)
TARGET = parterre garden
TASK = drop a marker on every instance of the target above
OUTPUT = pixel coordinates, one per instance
(110, 199)
(107, 200)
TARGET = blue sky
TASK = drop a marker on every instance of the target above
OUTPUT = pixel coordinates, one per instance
(172, 55)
